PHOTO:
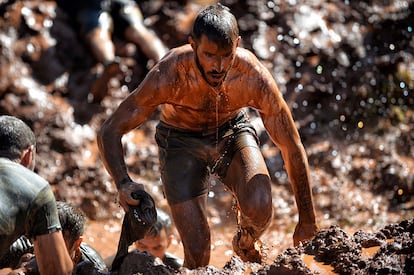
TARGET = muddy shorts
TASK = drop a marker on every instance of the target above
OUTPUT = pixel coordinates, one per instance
(187, 158)
(117, 15)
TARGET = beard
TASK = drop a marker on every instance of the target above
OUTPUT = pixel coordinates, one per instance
(205, 74)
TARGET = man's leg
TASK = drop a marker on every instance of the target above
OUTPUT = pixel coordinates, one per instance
(249, 180)
(190, 219)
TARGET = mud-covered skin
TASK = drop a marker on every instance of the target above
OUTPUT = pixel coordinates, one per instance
(199, 87)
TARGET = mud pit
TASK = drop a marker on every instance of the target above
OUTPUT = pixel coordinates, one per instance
(346, 69)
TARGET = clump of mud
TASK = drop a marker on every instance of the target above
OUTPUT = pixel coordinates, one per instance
(333, 251)
(388, 251)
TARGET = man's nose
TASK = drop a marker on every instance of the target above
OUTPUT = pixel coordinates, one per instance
(218, 64)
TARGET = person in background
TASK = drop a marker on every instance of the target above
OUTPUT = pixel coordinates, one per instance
(27, 205)
(158, 239)
(98, 20)
(205, 89)
(73, 222)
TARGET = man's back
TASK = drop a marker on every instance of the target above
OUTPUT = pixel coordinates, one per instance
(23, 193)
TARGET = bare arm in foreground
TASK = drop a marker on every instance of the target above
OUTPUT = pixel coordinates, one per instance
(280, 125)
(52, 255)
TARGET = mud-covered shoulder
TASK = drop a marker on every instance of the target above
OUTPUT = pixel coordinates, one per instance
(255, 79)
(250, 66)
(170, 77)
(174, 68)
(247, 62)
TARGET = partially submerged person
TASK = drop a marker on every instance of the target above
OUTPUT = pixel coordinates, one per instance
(158, 239)
(98, 20)
(27, 205)
(203, 89)
(73, 222)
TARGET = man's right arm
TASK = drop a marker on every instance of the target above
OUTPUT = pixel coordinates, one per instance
(130, 114)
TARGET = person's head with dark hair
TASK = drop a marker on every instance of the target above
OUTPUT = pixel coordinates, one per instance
(214, 40)
(218, 24)
(73, 222)
(17, 141)
(158, 238)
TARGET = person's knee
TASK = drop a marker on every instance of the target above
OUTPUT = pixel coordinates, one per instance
(257, 204)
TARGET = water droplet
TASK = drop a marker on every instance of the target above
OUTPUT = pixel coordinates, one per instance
(402, 84)
(409, 29)
(392, 47)
(319, 69)
(360, 124)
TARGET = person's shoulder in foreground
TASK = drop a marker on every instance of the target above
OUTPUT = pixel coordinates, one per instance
(28, 205)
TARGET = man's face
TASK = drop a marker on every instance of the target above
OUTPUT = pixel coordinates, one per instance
(213, 61)
(155, 245)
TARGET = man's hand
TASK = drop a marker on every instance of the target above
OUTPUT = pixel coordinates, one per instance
(124, 193)
(304, 232)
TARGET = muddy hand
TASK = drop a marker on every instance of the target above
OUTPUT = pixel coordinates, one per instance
(304, 232)
(125, 194)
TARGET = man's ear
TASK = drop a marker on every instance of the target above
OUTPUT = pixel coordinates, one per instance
(192, 42)
(238, 41)
(27, 157)
(77, 243)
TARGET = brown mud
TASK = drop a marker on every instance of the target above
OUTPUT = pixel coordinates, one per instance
(346, 69)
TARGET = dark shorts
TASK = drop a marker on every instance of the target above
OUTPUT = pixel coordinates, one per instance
(187, 158)
(120, 14)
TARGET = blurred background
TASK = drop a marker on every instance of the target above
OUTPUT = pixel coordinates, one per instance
(346, 69)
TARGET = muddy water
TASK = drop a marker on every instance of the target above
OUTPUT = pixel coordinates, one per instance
(104, 236)
(317, 267)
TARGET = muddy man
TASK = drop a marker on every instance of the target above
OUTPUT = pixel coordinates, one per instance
(204, 88)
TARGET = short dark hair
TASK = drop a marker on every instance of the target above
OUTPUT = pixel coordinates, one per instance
(218, 24)
(72, 219)
(15, 137)
(163, 222)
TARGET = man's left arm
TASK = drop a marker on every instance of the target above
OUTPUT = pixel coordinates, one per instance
(281, 128)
